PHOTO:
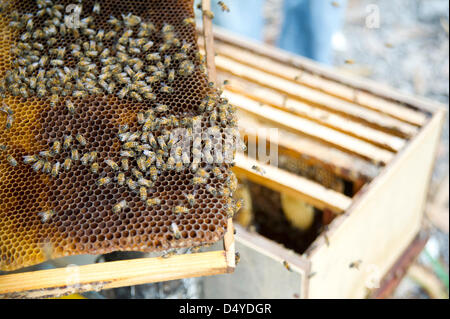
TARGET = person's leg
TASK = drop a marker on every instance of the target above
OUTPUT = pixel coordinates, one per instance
(309, 25)
(245, 17)
(295, 33)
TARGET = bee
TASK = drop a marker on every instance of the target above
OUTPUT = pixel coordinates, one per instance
(74, 155)
(29, 159)
(180, 210)
(102, 181)
(153, 57)
(11, 160)
(67, 164)
(217, 172)
(113, 165)
(119, 206)
(166, 89)
(114, 21)
(96, 8)
(355, 264)
(46, 215)
(145, 182)
(67, 141)
(110, 34)
(46, 154)
(194, 168)
(286, 265)
(185, 46)
(131, 184)
(230, 211)
(9, 121)
(167, 61)
(94, 168)
(131, 20)
(143, 193)
(223, 6)
(136, 173)
(55, 169)
(186, 68)
(92, 156)
(56, 147)
(79, 93)
(160, 108)
(188, 21)
(209, 14)
(130, 145)
(198, 180)
(133, 136)
(191, 199)
(258, 170)
(211, 190)
(84, 159)
(141, 162)
(179, 166)
(224, 192)
(47, 168)
(38, 165)
(202, 173)
(153, 201)
(170, 163)
(153, 173)
(80, 138)
(171, 76)
(162, 143)
(123, 92)
(147, 46)
(120, 178)
(175, 230)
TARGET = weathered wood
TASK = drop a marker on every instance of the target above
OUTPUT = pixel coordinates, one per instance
(261, 272)
(62, 281)
(378, 120)
(209, 41)
(334, 88)
(383, 219)
(320, 116)
(311, 129)
(340, 163)
(291, 184)
(384, 92)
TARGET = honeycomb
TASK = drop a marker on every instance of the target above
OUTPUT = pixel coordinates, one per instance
(103, 116)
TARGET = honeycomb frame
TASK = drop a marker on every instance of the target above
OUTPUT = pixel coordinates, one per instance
(84, 218)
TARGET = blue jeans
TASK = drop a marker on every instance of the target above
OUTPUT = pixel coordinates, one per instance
(307, 29)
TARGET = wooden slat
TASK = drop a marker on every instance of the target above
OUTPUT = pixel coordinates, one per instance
(319, 83)
(341, 164)
(384, 218)
(318, 99)
(311, 129)
(285, 182)
(329, 119)
(377, 89)
(61, 281)
(209, 42)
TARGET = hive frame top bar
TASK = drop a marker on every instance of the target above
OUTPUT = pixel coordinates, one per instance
(54, 282)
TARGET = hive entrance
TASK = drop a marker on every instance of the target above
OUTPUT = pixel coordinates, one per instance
(83, 100)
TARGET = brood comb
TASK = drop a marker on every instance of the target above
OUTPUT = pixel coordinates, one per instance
(94, 97)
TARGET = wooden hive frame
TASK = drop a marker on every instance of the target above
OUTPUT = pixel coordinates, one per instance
(382, 141)
(60, 281)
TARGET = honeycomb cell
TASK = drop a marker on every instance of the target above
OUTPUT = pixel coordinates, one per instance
(69, 199)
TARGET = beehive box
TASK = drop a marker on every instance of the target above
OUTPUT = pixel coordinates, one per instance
(91, 161)
(363, 155)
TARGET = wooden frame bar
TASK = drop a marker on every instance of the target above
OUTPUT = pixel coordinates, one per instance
(309, 103)
(64, 281)
(282, 181)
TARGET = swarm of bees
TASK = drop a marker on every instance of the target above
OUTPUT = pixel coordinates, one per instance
(130, 59)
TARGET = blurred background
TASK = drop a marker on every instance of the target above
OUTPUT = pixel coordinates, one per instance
(403, 44)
